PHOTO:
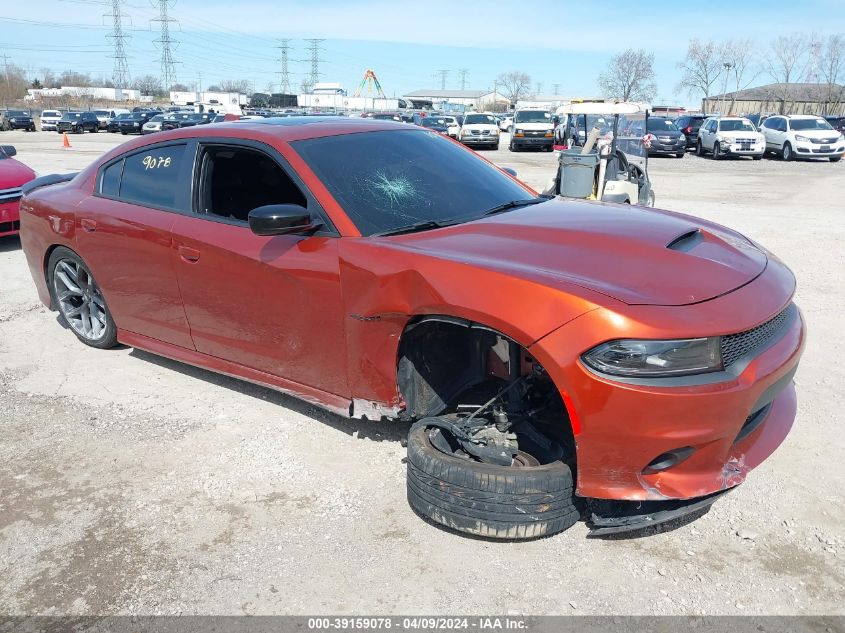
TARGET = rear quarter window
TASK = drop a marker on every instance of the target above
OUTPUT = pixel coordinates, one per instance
(151, 177)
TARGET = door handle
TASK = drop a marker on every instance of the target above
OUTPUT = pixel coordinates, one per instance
(190, 255)
(88, 225)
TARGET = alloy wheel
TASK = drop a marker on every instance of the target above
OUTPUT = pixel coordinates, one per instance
(79, 299)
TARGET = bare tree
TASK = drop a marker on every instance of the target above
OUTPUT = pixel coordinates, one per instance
(701, 68)
(73, 78)
(514, 85)
(832, 72)
(629, 76)
(738, 57)
(179, 88)
(49, 79)
(787, 62)
(241, 86)
(148, 85)
(13, 83)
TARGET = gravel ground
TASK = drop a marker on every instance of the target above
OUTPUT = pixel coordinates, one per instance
(130, 484)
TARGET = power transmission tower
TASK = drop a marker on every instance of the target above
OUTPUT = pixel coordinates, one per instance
(120, 74)
(556, 88)
(314, 49)
(443, 74)
(165, 42)
(464, 73)
(284, 47)
(539, 87)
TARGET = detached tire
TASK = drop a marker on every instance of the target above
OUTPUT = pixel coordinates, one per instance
(487, 500)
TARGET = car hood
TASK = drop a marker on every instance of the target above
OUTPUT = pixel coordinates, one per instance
(635, 255)
(817, 134)
(14, 173)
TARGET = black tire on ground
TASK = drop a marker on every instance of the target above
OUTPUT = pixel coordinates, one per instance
(699, 149)
(717, 151)
(835, 159)
(109, 337)
(681, 155)
(786, 152)
(760, 157)
(488, 500)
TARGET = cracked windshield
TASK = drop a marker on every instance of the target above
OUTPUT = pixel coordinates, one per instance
(391, 179)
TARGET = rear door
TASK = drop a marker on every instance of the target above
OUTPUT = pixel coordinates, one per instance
(272, 304)
(124, 236)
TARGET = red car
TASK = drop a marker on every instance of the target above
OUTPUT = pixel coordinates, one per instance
(13, 175)
(553, 357)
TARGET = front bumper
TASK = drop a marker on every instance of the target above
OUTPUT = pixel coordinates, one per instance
(46, 125)
(657, 149)
(130, 129)
(812, 150)
(533, 141)
(21, 125)
(9, 218)
(480, 139)
(734, 149)
(620, 428)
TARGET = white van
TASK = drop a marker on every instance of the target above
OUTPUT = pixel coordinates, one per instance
(532, 128)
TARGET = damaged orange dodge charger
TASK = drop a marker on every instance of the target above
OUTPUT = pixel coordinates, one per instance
(555, 359)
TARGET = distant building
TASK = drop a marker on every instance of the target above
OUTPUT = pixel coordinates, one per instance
(459, 99)
(88, 92)
(230, 100)
(804, 98)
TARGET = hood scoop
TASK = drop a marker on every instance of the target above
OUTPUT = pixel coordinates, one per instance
(686, 241)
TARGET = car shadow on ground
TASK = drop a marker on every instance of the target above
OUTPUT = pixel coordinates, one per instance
(10, 243)
(376, 431)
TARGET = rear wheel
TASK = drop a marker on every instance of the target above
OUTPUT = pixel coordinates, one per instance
(524, 500)
(79, 300)
(699, 149)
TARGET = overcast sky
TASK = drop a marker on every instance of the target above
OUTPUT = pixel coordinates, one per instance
(405, 42)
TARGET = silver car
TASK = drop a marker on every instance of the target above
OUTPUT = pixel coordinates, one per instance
(153, 125)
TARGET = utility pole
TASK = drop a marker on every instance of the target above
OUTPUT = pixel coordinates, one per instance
(120, 74)
(199, 85)
(166, 42)
(314, 49)
(727, 66)
(539, 87)
(443, 73)
(556, 88)
(284, 75)
(463, 72)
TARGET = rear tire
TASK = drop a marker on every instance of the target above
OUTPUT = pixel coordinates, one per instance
(699, 149)
(498, 502)
(79, 301)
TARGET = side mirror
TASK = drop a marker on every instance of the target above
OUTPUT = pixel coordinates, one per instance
(281, 219)
(8, 150)
(509, 170)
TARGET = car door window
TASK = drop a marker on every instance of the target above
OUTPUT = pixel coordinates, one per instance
(236, 180)
(151, 177)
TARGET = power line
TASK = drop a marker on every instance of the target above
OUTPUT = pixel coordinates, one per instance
(464, 73)
(443, 74)
(284, 75)
(165, 42)
(120, 74)
(314, 49)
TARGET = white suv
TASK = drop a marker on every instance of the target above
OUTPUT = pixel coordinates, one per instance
(802, 136)
(730, 136)
(480, 129)
(49, 119)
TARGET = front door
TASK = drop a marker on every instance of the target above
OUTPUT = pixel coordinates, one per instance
(268, 303)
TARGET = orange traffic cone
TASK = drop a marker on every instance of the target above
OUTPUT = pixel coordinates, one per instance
(65, 141)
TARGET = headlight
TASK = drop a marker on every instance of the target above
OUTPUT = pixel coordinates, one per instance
(682, 138)
(11, 120)
(519, 131)
(802, 139)
(655, 359)
(728, 140)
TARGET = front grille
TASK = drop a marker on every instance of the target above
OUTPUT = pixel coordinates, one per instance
(10, 195)
(735, 346)
(823, 141)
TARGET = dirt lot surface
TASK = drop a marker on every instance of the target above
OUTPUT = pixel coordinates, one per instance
(135, 485)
